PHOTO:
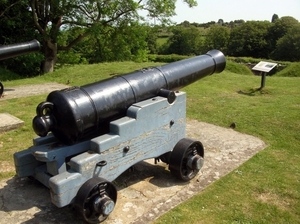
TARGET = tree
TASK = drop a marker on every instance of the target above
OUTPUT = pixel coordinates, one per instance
(123, 43)
(217, 38)
(151, 39)
(50, 16)
(16, 27)
(185, 23)
(184, 41)
(249, 39)
(127, 42)
(278, 29)
(288, 46)
(221, 22)
(13, 22)
(274, 17)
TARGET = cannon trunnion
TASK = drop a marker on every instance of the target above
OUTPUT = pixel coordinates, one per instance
(100, 130)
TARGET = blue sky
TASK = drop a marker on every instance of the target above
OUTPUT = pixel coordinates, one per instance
(229, 10)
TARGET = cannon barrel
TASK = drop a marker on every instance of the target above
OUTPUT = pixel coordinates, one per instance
(79, 113)
(14, 50)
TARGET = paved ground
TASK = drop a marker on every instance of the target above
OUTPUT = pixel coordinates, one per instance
(146, 192)
(30, 90)
(9, 122)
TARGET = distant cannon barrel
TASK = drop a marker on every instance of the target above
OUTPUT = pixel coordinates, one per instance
(14, 50)
(80, 113)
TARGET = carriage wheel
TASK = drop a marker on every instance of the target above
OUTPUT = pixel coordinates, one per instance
(186, 159)
(96, 199)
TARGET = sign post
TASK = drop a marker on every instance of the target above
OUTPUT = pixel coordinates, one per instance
(264, 68)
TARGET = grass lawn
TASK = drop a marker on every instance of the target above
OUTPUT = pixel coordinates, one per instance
(265, 189)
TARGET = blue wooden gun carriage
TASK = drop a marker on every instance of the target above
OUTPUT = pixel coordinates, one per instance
(89, 135)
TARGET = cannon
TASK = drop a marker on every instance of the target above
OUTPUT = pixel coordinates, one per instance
(90, 135)
(14, 50)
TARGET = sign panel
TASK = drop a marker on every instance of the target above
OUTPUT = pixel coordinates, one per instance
(264, 66)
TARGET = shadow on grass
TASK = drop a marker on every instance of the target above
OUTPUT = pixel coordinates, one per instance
(7, 90)
(253, 91)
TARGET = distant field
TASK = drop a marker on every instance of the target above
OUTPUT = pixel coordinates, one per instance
(161, 41)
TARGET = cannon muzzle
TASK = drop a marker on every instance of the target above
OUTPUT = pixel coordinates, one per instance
(14, 50)
(79, 113)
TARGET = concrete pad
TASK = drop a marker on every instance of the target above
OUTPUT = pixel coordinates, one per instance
(145, 192)
(9, 122)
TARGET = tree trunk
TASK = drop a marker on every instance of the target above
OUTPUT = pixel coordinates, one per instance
(50, 52)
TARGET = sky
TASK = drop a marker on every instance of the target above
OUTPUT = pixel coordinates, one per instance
(230, 10)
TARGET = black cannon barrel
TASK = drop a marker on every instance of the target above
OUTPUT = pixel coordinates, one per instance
(14, 50)
(79, 113)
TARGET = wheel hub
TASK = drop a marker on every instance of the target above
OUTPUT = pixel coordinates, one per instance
(186, 159)
(104, 205)
(195, 162)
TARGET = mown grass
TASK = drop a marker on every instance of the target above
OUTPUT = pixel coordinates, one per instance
(81, 74)
(292, 70)
(265, 189)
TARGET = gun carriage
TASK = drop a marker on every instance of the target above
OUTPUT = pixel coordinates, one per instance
(89, 135)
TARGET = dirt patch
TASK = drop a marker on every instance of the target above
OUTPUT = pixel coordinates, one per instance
(145, 192)
(273, 199)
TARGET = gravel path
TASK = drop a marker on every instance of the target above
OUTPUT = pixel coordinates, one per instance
(30, 90)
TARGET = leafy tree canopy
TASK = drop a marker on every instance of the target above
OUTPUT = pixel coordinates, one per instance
(249, 39)
(288, 46)
(281, 26)
(16, 27)
(217, 38)
(50, 16)
(184, 41)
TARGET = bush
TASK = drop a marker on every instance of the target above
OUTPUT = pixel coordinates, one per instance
(28, 65)
(70, 57)
(244, 60)
(6, 75)
(166, 58)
